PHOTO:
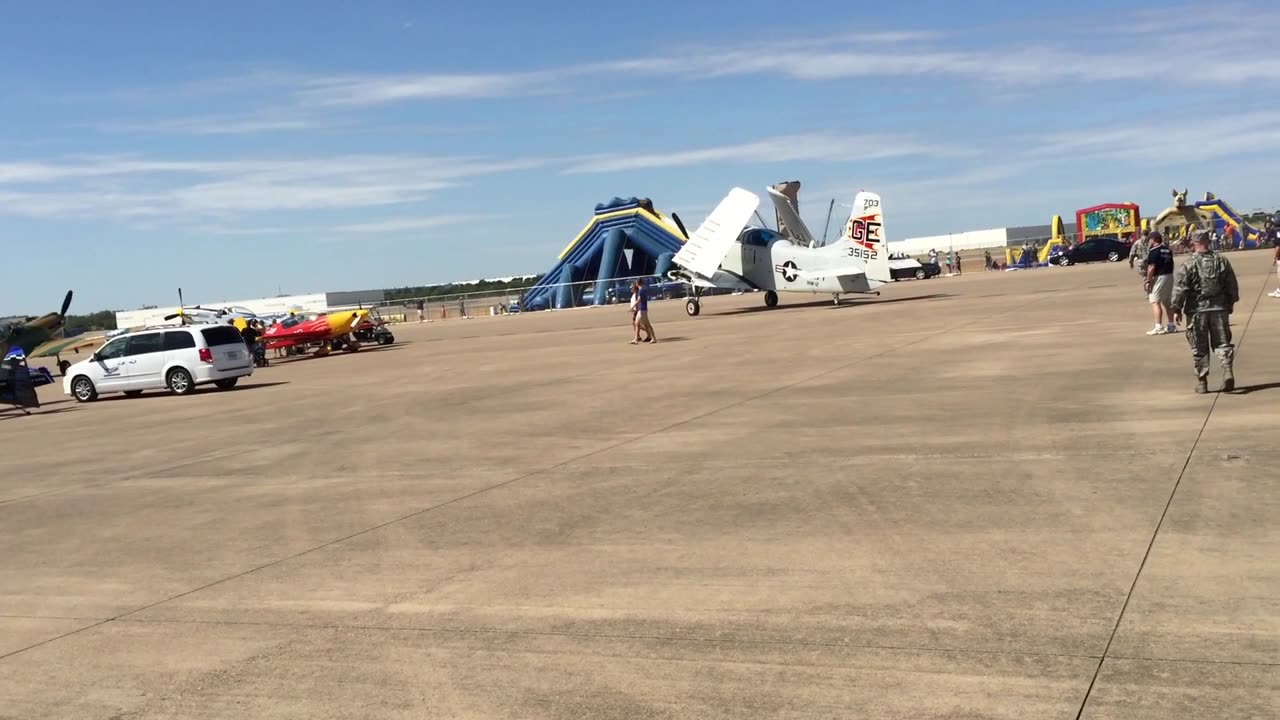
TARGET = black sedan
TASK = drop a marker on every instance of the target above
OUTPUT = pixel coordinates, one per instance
(907, 269)
(1095, 250)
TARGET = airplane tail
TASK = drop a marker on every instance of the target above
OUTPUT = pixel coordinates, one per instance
(864, 236)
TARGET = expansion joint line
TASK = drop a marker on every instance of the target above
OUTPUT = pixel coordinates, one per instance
(532, 473)
(1160, 523)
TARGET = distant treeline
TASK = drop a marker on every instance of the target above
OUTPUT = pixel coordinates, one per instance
(101, 320)
(430, 291)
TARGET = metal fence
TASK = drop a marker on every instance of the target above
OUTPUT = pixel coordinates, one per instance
(583, 294)
(508, 301)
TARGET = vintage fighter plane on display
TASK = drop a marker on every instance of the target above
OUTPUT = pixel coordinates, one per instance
(42, 336)
(328, 329)
(29, 332)
(726, 252)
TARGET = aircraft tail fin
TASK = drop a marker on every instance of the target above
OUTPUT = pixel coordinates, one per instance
(864, 236)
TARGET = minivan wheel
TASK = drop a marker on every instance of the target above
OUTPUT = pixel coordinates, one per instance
(83, 390)
(225, 383)
(180, 382)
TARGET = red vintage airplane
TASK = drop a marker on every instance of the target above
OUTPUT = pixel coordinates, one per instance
(307, 328)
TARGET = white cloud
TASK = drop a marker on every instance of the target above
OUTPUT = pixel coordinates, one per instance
(213, 125)
(1142, 56)
(1171, 141)
(381, 89)
(402, 224)
(133, 187)
(814, 147)
(389, 225)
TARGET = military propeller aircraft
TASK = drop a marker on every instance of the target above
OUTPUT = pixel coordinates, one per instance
(29, 332)
(237, 316)
(726, 252)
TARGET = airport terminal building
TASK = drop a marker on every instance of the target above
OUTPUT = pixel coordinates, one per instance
(314, 302)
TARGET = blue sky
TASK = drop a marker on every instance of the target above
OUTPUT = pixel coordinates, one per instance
(236, 148)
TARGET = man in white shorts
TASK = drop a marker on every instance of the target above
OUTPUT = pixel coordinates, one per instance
(1159, 286)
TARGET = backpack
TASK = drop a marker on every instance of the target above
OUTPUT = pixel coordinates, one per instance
(1209, 270)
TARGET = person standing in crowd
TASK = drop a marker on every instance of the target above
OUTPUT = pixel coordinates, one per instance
(1207, 291)
(958, 271)
(422, 310)
(252, 334)
(933, 256)
(1159, 285)
(1138, 253)
(986, 256)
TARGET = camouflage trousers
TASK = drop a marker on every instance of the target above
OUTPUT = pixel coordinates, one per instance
(1210, 330)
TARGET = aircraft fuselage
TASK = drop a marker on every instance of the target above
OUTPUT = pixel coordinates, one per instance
(762, 259)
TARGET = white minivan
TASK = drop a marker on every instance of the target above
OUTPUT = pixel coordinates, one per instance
(176, 358)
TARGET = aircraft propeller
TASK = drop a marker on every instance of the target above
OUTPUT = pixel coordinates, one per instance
(680, 225)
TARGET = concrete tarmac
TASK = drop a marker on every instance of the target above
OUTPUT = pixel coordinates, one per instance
(988, 496)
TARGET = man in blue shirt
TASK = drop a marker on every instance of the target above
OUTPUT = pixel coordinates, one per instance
(1159, 285)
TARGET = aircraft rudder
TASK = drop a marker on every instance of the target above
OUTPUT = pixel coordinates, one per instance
(864, 232)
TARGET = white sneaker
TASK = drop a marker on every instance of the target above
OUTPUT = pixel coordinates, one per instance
(1275, 294)
(1157, 330)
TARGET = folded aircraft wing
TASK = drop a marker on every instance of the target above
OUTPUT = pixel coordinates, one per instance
(791, 218)
(706, 248)
(838, 271)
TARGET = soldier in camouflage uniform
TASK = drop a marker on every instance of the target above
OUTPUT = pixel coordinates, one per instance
(1205, 292)
(1138, 253)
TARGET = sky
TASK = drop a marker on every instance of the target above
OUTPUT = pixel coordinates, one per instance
(239, 150)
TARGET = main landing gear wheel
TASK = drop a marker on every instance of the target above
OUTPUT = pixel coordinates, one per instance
(835, 299)
(770, 298)
(63, 366)
(692, 307)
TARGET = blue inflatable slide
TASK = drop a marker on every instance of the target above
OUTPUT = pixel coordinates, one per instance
(599, 255)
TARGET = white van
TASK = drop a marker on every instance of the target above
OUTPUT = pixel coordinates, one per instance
(176, 358)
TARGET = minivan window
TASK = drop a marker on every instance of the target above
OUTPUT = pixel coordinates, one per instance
(222, 335)
(178, 340)
(113, 349)
(144, 344)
